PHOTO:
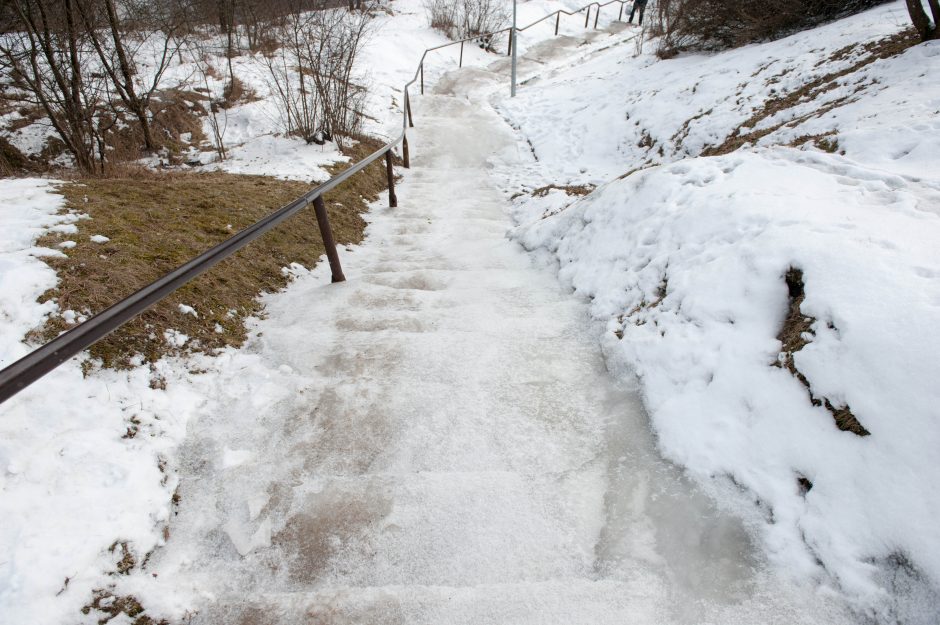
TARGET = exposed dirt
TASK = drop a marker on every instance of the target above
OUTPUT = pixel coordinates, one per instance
(797, 333)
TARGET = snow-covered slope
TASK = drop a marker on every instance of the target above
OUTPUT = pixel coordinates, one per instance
(686, 263)
(685, 260)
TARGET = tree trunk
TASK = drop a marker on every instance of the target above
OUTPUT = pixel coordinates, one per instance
(921, 21)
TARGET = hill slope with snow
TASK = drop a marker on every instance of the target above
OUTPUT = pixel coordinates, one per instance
(825, 150)
(822, 168)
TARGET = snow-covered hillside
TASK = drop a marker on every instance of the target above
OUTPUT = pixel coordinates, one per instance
(685, 259)
(717, 178)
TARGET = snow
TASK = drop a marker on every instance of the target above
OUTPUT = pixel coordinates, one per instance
(65, 471)
(723, 232)
(599, 129)
(87, 461)
(188, 310)
(31, 206)
(99, 238)
(175, 338)
(718, 234)
(444, 422)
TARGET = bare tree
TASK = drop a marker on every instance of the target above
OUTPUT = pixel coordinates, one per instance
(290, 72)
(109, 30)
(460, 19)
(216, 113)
(332, 55)
(922, 24)
(47, 58)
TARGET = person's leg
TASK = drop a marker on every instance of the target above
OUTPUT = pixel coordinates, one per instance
(642, 11)
(632, 11)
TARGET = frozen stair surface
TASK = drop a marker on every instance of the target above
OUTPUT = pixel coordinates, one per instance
(459, 453)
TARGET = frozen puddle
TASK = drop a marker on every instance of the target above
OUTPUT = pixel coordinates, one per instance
(458, 453)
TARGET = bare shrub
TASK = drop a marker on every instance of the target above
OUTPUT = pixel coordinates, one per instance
(312, 73)
(720, 24)
(460, 19)
(119, 33)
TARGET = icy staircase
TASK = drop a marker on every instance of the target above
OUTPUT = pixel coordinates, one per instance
(462, 454)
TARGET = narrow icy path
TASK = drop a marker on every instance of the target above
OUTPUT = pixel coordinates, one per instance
(458, 453)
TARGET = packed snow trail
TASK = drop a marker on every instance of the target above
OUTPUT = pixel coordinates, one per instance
(459, 453)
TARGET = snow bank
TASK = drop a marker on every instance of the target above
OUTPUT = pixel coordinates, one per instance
(685, 258)
(30, 207)
(720, 234)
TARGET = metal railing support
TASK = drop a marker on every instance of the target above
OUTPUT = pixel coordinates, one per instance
(620, 17)
(390, 173)
(460, 63)
(558, 20)
(587, 15)
(597, 14)
(411, 121)
(328, 242)
(404, 152)
(422, 78)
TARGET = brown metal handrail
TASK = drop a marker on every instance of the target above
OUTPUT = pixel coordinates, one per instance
(44, 359)
(556, 14)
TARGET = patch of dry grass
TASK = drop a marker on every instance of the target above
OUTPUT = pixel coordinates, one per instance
(158, 221)
(868, 53)
(108, 606)
(578, 190)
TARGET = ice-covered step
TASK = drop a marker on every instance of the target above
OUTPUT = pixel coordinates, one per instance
(640, 599)
(428, 528)
(556, 602)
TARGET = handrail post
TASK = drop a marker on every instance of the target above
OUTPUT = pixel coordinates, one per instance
(392, 198)
(404, 152)
(422, 77)
(411, 121)
(620, 17)
(597, 14)
(460, 64)
(326, 233)
(587, 15)
(558, 19)
(509, 49)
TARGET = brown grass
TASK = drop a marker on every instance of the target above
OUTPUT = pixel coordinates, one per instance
(679, 137)
(868, 53)
(793, 337)
(157, 222)
(237, 92)
(110, 606)
(12, 161)
(578, 190)
(633, 314)
(825, 142)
